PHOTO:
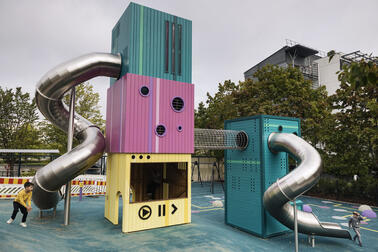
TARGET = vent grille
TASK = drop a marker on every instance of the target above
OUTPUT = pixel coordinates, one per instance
(144, 91)
(178, 104)
(160, 130)
(253, 185)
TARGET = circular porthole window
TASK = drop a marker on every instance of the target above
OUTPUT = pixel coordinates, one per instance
(177, 104)
(160, 130)
(179, 128)
(144, 91)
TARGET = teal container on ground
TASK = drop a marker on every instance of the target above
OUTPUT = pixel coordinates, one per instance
(250, 172)
(153, 43)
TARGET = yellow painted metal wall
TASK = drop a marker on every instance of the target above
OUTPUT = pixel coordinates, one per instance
(143, 215)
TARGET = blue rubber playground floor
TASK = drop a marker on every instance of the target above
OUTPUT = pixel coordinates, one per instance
(90, 231)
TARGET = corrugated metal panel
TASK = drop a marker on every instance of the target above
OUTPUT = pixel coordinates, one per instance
(108, 125)
(243, 180)
(250, 172)
(115, 122)
(141, 41)
(175, 139)
(275, 165)
(134, 118)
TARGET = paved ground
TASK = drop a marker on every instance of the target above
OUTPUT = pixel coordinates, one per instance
(90, 231)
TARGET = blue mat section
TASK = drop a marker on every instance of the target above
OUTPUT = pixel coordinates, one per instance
(90, 231)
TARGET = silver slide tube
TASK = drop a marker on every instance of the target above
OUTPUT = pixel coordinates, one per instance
(278, 196)
(49, 94)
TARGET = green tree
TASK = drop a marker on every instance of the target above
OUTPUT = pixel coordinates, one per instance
(86, 105)
(18, 117)
(276, 91)
(220, 107)
(353, 135)
(284, 92)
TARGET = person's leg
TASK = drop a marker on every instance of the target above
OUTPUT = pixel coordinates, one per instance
(24, 211)
(16, 206)
(358, 234)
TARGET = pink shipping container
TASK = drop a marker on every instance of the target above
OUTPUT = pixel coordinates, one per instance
(150, 115)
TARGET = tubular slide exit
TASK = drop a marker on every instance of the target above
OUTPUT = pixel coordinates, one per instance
(278, 196)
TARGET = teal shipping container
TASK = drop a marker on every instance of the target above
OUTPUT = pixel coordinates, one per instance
(153, 43)
(250, 172)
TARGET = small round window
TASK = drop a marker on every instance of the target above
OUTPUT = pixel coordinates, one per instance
(179, 128)
(144, 91)
(177, 104)
(160, 130)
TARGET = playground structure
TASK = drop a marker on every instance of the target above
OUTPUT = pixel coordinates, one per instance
(151, 135)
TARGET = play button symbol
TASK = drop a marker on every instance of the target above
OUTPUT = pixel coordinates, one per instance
(145, 212)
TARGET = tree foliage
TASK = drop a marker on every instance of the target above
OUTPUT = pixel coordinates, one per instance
(18, 116)
(86, 105)
(353, 135)
(275, 91)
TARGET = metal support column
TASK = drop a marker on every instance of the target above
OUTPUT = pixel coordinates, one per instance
(67, 199)
(311, 240)
(295, 225)
(212, 180)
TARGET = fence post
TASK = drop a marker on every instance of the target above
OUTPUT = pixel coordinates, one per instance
(19, 165)
(81, 184)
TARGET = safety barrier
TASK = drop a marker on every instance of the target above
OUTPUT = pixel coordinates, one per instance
(90, 185)
(10, 186)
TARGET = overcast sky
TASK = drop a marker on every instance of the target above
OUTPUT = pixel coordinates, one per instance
(229, 37)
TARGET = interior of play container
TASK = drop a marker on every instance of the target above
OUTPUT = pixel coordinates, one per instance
(159, 181)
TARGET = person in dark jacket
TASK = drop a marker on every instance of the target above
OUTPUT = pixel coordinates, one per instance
(354, 222)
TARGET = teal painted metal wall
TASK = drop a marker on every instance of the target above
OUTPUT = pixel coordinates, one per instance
(250, 172)
(140, 37)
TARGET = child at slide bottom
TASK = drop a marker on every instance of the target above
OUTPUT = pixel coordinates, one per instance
(354, 222)
(23, 197)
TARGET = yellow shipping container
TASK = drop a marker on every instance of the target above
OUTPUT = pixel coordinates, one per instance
(155, 190)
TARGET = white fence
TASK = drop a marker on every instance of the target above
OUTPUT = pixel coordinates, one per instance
(91, 185)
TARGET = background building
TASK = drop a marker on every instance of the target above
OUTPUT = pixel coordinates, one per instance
(327, 70)
(313, 64)
(293, 54)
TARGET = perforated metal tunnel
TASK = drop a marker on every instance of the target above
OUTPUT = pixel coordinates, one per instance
(214, 139)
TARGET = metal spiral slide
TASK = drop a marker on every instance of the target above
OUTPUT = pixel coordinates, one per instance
(49, 94)
(278, 196)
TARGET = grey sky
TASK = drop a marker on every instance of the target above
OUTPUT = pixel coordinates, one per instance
(228, 36)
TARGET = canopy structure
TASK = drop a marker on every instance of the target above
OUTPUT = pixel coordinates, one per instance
(28, 151)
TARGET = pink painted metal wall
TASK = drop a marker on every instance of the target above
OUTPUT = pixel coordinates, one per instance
(133, 115)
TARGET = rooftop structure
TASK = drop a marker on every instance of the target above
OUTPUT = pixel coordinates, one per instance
(314, 64)
(292, 54)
